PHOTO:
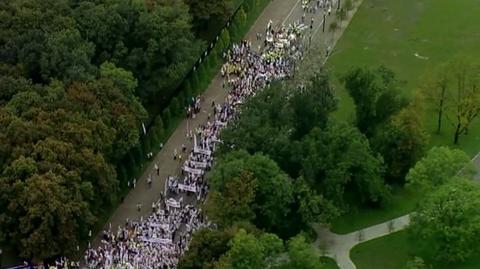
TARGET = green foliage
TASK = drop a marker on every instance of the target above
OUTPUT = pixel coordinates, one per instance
(206, 12)
(167, 117)
(437, 167)
(250, 252)
(302, 255)
(205, 248)
(447, 223)
(250, 187)
(67, 56)
(224, 40)
(376, 96)
(330, 156)
(313, 207)
(401, 142)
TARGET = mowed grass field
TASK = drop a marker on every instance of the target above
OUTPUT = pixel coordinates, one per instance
(391, 32)
(393, 252)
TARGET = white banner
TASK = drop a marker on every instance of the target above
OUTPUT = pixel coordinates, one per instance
(160, 225)
(202, 151)
(190, 188)
(164, 241)
(192, 170)
(173, 203)
(199, 164)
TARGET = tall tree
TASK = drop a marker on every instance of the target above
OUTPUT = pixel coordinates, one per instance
(272, 188)
(447, 223)
(302, 255)
(465, 96)
(376, 95)
(339, 158)
(435, 91)
(163, 48)
(205, 11)
(437, 167)
(402, 142)
(250, 252)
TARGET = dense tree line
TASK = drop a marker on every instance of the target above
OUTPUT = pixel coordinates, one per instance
(74, 79)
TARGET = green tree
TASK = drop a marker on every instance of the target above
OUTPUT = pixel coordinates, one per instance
(164, 48)
(435, 91)
(104, 26)
(236, 202)
(67, 56)
(205, 11)
(273, 192)
(340, 156)
(312, 105)
(313, 207)
(401, 142)
(376, 96)
(248, 252)
(436, 168)
(122, 78)
(465, 96)
(205, 248)
(447, 223)
(302, 255)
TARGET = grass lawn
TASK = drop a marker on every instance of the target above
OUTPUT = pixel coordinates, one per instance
(386, 32)
(329, 263)
(402, 202)
(393, 252)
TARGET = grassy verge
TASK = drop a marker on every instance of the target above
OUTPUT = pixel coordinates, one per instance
(329, 263)
(390, 33)
(402, 202)
(393, 252)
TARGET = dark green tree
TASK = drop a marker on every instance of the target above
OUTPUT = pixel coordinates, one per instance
(376, 95)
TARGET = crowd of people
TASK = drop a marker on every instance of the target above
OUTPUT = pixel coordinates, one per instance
(159, 240)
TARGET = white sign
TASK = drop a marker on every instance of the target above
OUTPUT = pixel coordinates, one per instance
(173, 203)
(190, 188)
(199, 164)
(163, 241)
(202, 151)
(192, 170)
(160, 225)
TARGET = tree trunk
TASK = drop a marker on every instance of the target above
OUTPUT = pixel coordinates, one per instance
(440, 108)
(457, 134)
(440, 112)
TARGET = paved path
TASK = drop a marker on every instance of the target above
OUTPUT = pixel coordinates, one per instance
(338, 246)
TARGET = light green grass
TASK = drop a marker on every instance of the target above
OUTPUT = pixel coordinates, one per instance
(386, 32)
(393, 252)
(402, 203)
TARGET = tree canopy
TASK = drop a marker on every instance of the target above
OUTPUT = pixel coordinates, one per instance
(376, 94)
(437, 167)
(447, 223)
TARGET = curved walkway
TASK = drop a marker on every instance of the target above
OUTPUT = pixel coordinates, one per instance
(338, 246)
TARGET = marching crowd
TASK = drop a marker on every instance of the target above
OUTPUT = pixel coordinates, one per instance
(159, 240)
